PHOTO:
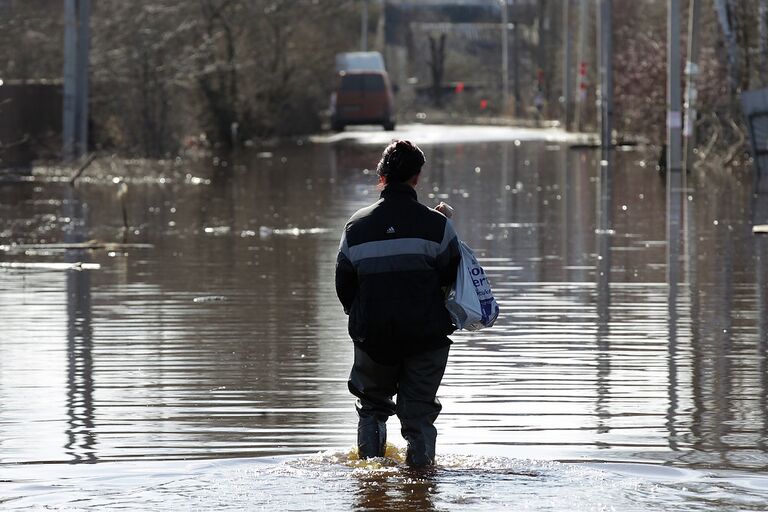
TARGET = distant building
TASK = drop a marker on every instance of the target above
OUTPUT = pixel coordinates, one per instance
(473, 33)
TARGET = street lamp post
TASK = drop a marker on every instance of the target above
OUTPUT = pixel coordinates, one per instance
(691, 73)
(674, 124)
(566, 64)
(75, 101)
(69, 130)
(504, 56)
(581, 49)
(606, 74)
(364, 28)
(83, 52)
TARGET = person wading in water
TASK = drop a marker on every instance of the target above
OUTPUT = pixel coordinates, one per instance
(396, 259)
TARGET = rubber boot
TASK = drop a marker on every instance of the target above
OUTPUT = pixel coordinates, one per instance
(417, 455)
(371, 437)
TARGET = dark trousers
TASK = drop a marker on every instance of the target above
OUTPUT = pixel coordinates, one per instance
(415, 380)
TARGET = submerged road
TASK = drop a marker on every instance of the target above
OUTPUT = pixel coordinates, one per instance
(205, 365)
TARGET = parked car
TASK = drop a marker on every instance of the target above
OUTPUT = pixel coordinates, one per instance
(363, 97)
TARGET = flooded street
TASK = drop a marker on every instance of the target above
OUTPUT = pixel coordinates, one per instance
(204, 365)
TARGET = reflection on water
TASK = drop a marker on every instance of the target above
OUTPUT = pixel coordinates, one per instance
(634, 325)
(81, 436)
(674, 239)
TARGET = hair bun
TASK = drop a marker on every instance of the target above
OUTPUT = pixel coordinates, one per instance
(400, 161)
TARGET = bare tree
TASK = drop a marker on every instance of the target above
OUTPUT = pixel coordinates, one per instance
(437, 66)
(230, 69)
(30, 37)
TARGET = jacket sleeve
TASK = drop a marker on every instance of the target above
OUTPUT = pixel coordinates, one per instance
(346, 275)
(449, 256)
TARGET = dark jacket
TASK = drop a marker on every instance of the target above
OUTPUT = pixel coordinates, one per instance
(395, 260)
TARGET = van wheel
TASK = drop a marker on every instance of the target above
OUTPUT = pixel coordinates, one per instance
(389, 126)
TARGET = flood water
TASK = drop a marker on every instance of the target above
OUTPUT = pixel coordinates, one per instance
(205, 366)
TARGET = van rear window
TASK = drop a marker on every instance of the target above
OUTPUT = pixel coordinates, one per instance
(374, 83)
(360, 82)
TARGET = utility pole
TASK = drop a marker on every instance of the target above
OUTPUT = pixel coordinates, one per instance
(504, 56)
(69, 123)
(762, 12)
(364, 28)
(516, 65)
(674, 151)
(83, 52)
(75, 94)
(581, 48)
(606, 74)
(691, 72)
(542, 25)
(566, 65)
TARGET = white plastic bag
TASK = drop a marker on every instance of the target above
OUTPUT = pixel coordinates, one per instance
(470, 301)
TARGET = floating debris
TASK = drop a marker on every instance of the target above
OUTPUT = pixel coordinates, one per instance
(516, 224)
(210, 298)
(265, 231)
(50, 266)
(217, 230)
(195, 180)
(93, 245)
(299, 231)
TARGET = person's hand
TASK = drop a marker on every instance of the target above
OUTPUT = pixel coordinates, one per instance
(445, 209)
